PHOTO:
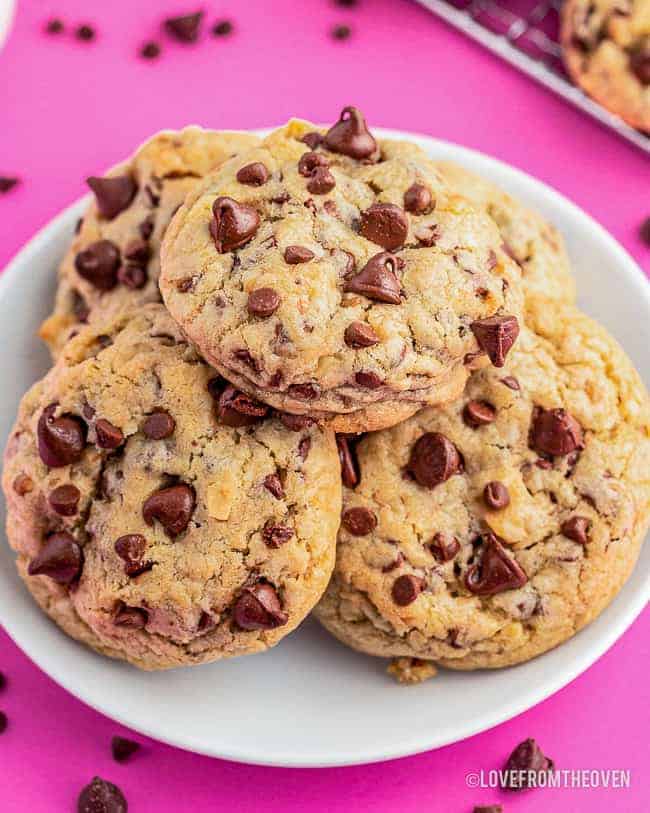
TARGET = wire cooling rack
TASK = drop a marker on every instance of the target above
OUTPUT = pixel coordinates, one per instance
(525, 33)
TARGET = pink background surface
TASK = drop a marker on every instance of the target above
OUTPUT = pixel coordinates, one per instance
(70, 109)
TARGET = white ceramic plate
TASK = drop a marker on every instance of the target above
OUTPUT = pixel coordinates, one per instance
(311, 701)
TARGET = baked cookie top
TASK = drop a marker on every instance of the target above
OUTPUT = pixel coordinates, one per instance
(482, 533)
(533, 243)
(114, 259)
(607, 52)
(330, 274)
(158, 514)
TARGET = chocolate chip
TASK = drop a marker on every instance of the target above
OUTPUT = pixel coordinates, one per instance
(61, 558)
(418, 199)
(233, 224)
(555, 432)
(101, 796)
(258, 608)
(377, 280)
(488, 809)
(64, 499)
(113, 194)
(385, 224)
(108, 436)
(495, 572)
(275, 536)
(321, 181)
(349, 464)
(359, 521)
(4, 722)
(98, 264)
(22, 484)
(406, 589)
(134, 618)
(273, 485)
(295, 423)
(524, 764)
(138, 250)
(368, 379)
(495, 336)
(172, 507)
(350, 135)
(61, 440)
(304, 392)
(184, 28)
(360, 334)
(7, 183)
(131, 548)
(123, 749)
(146, 227)
(295, 255)
(222, 28)
(303, 448)
(313, 140)
(255, 174)
(434, 459)
(132, 276)
(478, 413)
(235, 408)
(640, 63)
(341, 32)
(3, 681)
(54, 26)
(85, 32)
(644, 231)
(263, 302)
(159, 425)
(444, 547)
(511, 382)
(150, 50)
(496, 495)
(577, 529)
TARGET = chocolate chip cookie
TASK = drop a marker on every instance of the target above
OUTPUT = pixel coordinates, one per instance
(485, 532)
(160, 515)
(332, 275)
(606, 45)
(114, 259)
(531, 241)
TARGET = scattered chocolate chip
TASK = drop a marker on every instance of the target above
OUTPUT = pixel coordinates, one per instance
(64, 499)
(295, 255)
(54, 26)
(275, 536)
(233, 224)
(61, 558)
(496, 495)
(360, 334)
(273, 485)
(377, 280)
(258, 608)
(418, 199)
(131, 548)
(321, 181)
(488, 809)
(313, 140)
(158, 425)
(341, 32)
(577, 529)
(555, 432)
(524, 763)
(4, 722)
(150, 50)
(644, 231)
(359, 521)
(495, 572)
(85, 33)
(511, 382)
(255, 174)
(478, 413)
(235, 408)
(108, 436)
(385, 224)
(495, 336)
(172, 507)
(113, 195)
(7, 183)
(368, 379)
(122, 749)
(350, 135)
(222, 28)
(98, 264)
(444, 547)
(349, 464)
(184, 28)
(434, 459)
(263, 302)
(61, 440)
(295, 423)
(134, 618)
(132, 276)
(22, 484)
(406, 589)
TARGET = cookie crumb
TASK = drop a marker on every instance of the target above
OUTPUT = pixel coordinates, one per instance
(411, 670)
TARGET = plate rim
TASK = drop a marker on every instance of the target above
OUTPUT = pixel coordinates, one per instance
(375, 753)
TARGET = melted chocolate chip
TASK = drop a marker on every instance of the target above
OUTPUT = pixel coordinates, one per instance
(555, 432)
(313, 140)
(184, 28)
(321, 181)
(385, 224)
(418, 199)
(101, 796)
(295, 255)
(295, 423)
(311, 161)
(130, 548)
(263, 302)
(134, 618)
(132, 276)
(349, 464)
(273, 484)
(406, 589)
(496, 495)
(108, 436)
(64, 499)
(359, 521)
(495, 572)
(368, 379)
(478, 413)
(138, 250)
(233, 224)
(61, 558)
(61, 440)
(444, 547)
(172, 507)
(159, 425)
(258, 608)
(304, 392)
(98, 264)
(360, 334)
(113, 195)
(523, 763)
(350, 135)
(434, 459)
(255, 174)
(123, 749)
(511, 382)
(576, 528)
(377, 280)
(235, 408)
(495, 336)
(275, 536)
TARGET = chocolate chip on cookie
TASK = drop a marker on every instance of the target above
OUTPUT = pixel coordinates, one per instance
(350, 135)
(496, 336)
(258, 608)
(273, 484)
(233, 224)
(377, 280)
(360, 334)
(434, 459)
(275, 535)
(235, 408)
(255, 174)
(113, 195)
(131, 548)
(496, 495)
(359, 521)
(576, 528)
(134, 618)
(61, 559)
(406, 589)
(108, 436)
(385, 224)
(172, 507)
(159, 425)
(321, 181)
(555, 432)
(263, 302)
(295, 255)
(444, 547)
(495, 571)
(61, 440)
(349, 464)
(64, 499)
(478, 413)
(99, 264)
(418, 199)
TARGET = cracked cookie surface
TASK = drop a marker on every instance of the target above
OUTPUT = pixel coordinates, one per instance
(332, 275)
(485, 532)
(114, 259)
(606, 46)
(158, 515)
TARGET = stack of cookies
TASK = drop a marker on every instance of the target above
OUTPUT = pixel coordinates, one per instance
(321, 371)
